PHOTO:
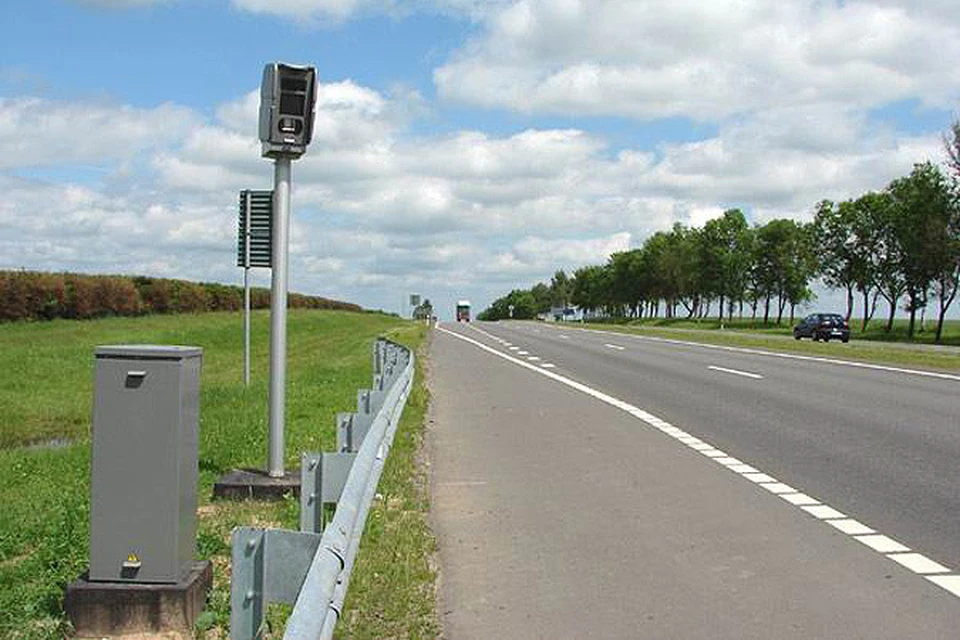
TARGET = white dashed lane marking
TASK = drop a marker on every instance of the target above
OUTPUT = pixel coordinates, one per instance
(786, 356)
(736, 372)
(614, 346)
(938, 574)
(918, 563)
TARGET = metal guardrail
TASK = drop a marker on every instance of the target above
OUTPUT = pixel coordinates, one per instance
(307, 568)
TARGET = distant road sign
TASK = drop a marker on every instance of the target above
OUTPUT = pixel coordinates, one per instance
(257, 208)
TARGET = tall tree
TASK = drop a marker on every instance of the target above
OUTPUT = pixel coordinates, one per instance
(736, 260)
(922, 204)
(866, 222)
(834, 233)
(951, 143)
(542, 298)
(785, 264)
(725, 258)
(947, 280)
(589, 290)
(560, 289)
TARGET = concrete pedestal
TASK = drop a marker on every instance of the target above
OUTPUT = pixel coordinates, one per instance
(244, 484)
(99, 609)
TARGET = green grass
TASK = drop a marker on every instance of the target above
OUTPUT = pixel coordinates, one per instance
(46, 394)
(867, 347)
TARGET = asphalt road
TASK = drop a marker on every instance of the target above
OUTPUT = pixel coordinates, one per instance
(649, 488)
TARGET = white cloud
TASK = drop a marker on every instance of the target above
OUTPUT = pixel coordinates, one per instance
(308, 10)
(704, 60)
(544, 254)
(380, 212)
(121, 4)
(38, 132)
(337, 11)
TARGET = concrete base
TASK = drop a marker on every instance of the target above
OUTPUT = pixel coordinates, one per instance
(244, 484)
(99, 609)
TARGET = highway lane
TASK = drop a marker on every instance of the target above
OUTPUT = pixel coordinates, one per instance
(563, 513)
(880, 445)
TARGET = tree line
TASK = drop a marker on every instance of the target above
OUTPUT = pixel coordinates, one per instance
(900, 245)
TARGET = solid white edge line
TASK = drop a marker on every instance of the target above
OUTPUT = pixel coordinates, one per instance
(886, 546)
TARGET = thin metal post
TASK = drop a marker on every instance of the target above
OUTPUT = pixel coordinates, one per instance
(246, 288)
(278, 314)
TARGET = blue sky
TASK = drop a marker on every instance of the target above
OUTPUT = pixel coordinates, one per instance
(463, 148)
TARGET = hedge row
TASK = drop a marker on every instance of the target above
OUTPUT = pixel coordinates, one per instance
(31, 295)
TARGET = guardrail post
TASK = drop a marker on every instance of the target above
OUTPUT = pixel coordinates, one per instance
(306, 568)
(378, 351)
(246, 583)
(345, 439)
(311, 479)
(363, 418)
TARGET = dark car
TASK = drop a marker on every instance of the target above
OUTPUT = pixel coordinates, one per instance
(823, 326)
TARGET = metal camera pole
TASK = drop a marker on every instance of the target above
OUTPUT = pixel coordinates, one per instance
(278, 314)
(288, 95)
(287, 101)
(246, 288)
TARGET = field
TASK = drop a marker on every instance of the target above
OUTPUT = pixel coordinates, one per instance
(45, 405)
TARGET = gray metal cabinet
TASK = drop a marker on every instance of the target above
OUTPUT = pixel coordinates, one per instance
(143, 490)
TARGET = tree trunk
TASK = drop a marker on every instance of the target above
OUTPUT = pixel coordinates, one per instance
(766, 311)
(913, 315)
(849, 301)
(893, 312)
(866, 312)
(945, 304)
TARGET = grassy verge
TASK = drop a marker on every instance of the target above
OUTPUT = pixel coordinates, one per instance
(392, 592)
(892, 353)
(46, 393)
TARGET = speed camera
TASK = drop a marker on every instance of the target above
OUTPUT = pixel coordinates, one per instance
(287, 98)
